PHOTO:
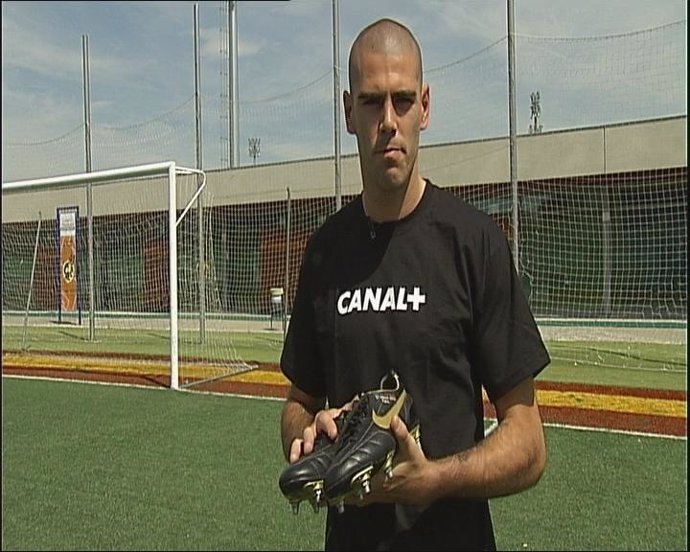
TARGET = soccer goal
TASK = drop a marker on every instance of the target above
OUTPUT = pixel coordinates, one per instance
(108, 271)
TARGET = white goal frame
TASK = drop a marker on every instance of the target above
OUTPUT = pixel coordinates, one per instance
(166, 168)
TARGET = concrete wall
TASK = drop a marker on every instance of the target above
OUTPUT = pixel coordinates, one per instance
(655, 144)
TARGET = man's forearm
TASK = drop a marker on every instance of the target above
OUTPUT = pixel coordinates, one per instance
(510, 459)
(295, 417)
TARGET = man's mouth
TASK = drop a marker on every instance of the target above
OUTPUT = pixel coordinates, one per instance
(389, 151)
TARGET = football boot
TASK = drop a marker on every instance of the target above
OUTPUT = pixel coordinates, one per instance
(366, 444)
(303, 480)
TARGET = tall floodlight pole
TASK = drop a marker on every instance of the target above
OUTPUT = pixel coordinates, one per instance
(224, 111)
(336, 104)
(513, 137)
(199, 162)
(197, 87)
(233, 134)
(89, 168)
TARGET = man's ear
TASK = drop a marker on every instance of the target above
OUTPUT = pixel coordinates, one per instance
(347, 105)
(424, 119)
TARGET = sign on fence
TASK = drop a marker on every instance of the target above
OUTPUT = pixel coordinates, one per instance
(67, 254)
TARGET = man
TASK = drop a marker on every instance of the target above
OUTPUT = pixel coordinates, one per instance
(460, 323)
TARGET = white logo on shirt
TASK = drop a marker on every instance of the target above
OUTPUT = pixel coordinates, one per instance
(380, 300)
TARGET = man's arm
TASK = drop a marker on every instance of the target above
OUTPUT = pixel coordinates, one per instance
(510, 459)
(297, 423)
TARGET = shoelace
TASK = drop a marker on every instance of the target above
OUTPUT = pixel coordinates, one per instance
(360, 411)
(357, 416)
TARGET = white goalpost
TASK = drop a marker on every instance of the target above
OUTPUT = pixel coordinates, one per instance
(72, 189)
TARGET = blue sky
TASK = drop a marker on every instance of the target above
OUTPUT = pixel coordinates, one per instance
(142, 64)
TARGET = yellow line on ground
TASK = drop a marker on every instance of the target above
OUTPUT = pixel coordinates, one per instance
(126, 366)
(261, 376)
(615, 403)
(575, 399)
(572, 399)
(137, 367)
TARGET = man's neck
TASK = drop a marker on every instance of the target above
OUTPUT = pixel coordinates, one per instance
(385, 206)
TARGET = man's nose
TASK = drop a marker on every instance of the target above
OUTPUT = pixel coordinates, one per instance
(388, 123)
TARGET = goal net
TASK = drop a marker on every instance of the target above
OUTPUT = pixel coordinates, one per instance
(108, 271)
(601, 226)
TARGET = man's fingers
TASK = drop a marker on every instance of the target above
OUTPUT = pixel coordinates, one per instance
(408, 446)
(307, 441)
(324, 422)
(399, 429)
(295, 450)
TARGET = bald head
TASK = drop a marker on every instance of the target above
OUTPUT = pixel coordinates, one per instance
(384, 36)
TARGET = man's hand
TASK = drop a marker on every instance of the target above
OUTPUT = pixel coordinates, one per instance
(412, 480)
(324, 422)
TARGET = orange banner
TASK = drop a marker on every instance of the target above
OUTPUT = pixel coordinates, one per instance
(68, 260)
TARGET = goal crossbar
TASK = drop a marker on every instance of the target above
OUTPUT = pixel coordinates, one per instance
(165, 168)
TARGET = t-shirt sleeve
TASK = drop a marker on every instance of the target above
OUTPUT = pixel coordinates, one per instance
(508, 345)
(299, 359)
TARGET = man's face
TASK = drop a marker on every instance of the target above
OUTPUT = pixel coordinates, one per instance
(386, 109)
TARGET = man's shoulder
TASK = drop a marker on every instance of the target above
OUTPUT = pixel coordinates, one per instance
(339, 220)
(335, 225)
(449, 206)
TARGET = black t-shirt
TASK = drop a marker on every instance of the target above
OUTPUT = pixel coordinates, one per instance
(435, 297)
